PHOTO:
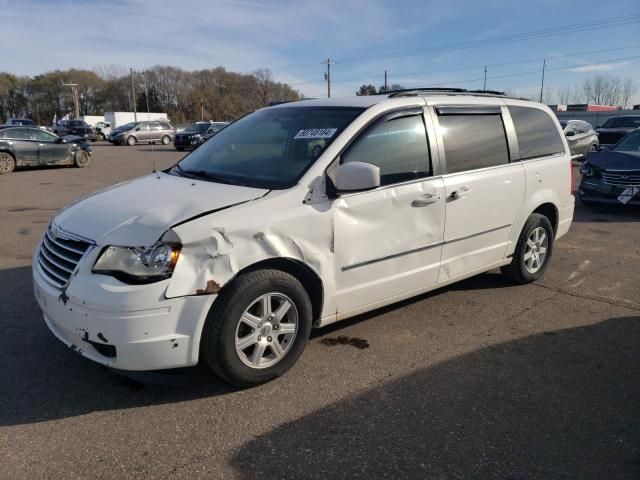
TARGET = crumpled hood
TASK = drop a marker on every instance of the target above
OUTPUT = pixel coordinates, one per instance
(609, 160)
(138, 212)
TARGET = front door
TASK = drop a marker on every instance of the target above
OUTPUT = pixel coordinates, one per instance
(142, 132)
(387, 241)
(483, 190)
(50, 149)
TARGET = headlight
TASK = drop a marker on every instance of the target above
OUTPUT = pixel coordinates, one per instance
(590, 171)
(139, 264)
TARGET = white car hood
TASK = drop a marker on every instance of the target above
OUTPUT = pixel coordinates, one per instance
(138, 212)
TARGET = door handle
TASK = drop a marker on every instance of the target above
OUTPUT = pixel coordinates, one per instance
(426, 199)
(460, 193)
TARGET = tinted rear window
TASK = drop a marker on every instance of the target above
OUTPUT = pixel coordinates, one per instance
(473, 141)
(537, 133)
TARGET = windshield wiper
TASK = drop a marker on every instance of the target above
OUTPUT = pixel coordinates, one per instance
(206, 175)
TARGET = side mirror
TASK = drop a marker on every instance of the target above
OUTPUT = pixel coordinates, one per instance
(597, 126)
(569, 134)
(137, 129)
(355, 176)
(60, 140)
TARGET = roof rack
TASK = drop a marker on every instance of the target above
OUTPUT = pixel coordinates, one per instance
(406, 92)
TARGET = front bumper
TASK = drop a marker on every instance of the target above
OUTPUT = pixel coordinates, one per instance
(596, 191)
(128, 327)
(180, 142)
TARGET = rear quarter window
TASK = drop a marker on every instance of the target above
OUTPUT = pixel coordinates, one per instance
(536, 132)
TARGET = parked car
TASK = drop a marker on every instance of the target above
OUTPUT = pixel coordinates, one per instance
(77, 128)
(16, 122)
(581, 138)
(615, 128)
(143, 132)
(613, 176)
(233, 254)
(196, 134)
(31, 146)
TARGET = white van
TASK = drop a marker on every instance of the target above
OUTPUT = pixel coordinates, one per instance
(300, 215)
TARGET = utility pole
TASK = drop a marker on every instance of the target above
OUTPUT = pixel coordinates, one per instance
(484, 86)
(133, 94)
(74, 97)
(201, 110)
(385, 82)
(327, 76)
(544, 63)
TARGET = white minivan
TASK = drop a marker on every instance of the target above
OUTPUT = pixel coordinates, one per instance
(300, 215)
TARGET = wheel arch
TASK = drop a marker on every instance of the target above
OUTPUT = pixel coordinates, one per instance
(550, 211)
(308, 277)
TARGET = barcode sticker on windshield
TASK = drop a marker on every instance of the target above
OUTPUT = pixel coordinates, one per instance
(316, 133)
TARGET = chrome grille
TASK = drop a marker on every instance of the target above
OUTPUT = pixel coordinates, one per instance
(622, 179)
(59, 255)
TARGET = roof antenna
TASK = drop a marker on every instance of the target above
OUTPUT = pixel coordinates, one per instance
(146, 94)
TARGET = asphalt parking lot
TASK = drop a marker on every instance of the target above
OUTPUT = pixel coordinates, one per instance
(478, 380)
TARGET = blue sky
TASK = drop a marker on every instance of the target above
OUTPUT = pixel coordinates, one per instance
(292, 37)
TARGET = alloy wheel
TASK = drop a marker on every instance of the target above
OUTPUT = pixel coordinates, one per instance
(536, 250)
(6, 163)
(266, 330)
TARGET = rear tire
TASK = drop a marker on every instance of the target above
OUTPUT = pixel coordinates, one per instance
(533, 251)
(247, 339)
(7, 163)
(131, 141)
(81, 159)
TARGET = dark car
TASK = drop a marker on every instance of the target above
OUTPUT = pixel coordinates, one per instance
(25, 146)
(581, 138)
(79, 128)
(196, 134)
(16, 122)
(143, 132)
(615, 128)
(613, 176)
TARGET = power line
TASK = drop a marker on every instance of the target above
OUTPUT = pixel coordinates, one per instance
(517, 62)
(491, 41)
(544, 33)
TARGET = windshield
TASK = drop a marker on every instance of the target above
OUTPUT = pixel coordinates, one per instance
(270, 148)
(622, 122)
(197, 127)
(629, 144)
(127, 126)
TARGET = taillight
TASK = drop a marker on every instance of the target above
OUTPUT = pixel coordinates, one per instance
(571, 176)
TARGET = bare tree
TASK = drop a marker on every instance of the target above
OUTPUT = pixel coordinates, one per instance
(602, 89)
(264, 83)
(629, 89)
(564, 94)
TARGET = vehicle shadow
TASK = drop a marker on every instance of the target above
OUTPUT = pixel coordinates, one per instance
(41, 379)
(606, 213)
(561, 404)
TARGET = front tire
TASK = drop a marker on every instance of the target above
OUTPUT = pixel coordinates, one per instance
(81, 159)
(166, 140)
(7, 163)
(131, 141)
(257, 327)
(533, 251)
